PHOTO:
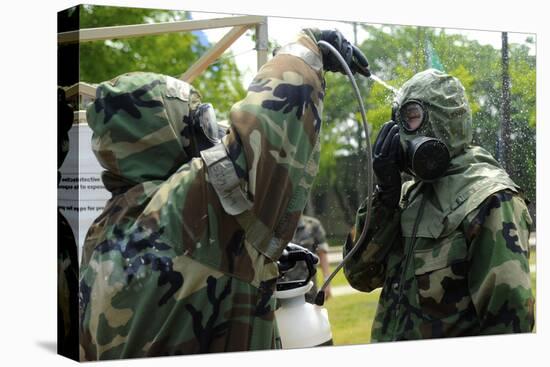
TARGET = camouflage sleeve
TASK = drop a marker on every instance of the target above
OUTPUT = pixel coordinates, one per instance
(366, 270)
(274, 142)
(499, 279)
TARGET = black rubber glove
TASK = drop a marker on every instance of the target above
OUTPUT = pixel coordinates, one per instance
(353, 56)
(294, 253)
(385, 162)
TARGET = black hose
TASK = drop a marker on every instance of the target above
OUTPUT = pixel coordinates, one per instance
(320, 298)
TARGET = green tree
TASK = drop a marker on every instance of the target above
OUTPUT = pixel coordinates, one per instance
(396, 53)
(169, 54)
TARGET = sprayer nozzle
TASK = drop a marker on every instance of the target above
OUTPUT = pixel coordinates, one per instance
(361, 70)
(320, 298)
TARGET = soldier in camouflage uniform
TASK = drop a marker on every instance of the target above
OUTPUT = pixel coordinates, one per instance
(183, 258)
(451, 254)
(310, 234)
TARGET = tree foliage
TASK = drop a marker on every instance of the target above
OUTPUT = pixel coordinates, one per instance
(170, 54)
(396, 53)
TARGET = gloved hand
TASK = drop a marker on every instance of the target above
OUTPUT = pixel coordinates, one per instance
(353, 56)
(385, 163)
(294, 253)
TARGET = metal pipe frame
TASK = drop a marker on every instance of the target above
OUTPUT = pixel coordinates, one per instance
(138, 30)
(240, 25)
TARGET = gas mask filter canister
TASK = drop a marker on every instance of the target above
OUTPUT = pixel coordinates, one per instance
(425, 157)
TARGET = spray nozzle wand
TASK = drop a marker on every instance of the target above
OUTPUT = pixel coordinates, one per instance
(320, 298)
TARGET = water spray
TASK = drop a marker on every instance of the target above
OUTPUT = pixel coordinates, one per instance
(386, 85)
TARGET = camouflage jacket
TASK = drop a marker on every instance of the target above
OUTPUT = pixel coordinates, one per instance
(309, 234)
(475, 281)
(452, 260)
(166, 269)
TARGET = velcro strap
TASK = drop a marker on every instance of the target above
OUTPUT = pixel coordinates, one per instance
(224, 179)
(304, 53)
(261, 237)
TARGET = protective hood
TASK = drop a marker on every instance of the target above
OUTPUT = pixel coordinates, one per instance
(473, 174)
(141, 127)
(449, 114)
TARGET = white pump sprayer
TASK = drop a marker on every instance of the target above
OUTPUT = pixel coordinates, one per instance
(300, 324)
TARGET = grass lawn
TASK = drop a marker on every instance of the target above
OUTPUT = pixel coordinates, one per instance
(338, 280)
(351, 317)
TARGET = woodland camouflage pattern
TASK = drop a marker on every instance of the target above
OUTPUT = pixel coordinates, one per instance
(453, 258)
(165, 269)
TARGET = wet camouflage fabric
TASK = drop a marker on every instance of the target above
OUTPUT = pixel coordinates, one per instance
(132, 152)
(450, 116)
(165, 269)
(310, 234)
(453, 258)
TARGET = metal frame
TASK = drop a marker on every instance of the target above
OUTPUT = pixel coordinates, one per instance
(239, 24)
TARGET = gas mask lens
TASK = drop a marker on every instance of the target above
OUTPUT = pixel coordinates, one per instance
(205, 120)
(412, 115)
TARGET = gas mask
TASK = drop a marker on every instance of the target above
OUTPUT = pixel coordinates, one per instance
(422, 156)
(205, 132)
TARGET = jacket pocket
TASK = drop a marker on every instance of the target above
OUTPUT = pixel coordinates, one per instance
(440, 272)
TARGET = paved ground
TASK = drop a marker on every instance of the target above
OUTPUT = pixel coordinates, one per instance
(343, 290)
